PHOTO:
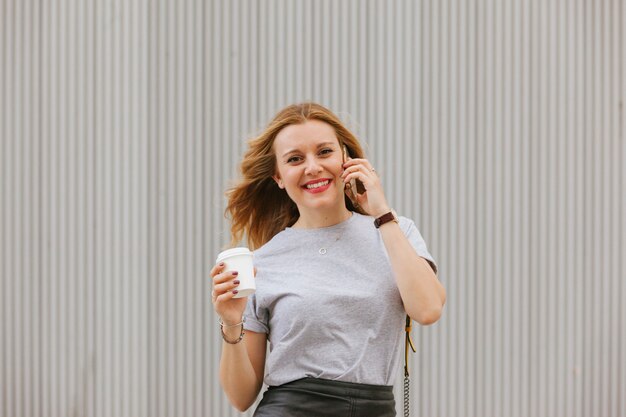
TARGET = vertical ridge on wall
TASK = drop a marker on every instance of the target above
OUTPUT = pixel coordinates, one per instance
(579, 128)
(621, 191)
(211, 95)
(4, 170)
(6, 394)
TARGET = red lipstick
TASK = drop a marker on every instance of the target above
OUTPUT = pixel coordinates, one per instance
(318, 189)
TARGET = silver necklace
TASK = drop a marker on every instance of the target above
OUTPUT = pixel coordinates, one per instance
(323, 250)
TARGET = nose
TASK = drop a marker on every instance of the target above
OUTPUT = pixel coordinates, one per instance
(312, 167)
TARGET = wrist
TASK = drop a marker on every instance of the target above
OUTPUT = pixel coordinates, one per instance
(385, 218)
(230, 321)
(231, 333)
(381, 211)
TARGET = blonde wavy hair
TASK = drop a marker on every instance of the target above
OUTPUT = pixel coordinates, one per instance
(257, 207)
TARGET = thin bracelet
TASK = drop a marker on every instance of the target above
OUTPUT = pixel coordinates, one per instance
(243, 320)
(230, 341)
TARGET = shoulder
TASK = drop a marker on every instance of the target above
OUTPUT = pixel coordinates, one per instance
(406, 224)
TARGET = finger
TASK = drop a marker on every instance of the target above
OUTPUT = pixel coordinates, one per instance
(255, 271)
(358, 161)
(226, 296)
(224, 276)
(356, 168)
(226, 286)
(353, 161)
(360, 175)
(217, 268)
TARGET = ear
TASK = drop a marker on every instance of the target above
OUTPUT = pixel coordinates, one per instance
(278, 181)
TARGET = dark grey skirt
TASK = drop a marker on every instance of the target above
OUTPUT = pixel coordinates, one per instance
(313, 397)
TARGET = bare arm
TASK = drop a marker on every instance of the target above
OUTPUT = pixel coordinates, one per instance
(242, 364)
(422, 293)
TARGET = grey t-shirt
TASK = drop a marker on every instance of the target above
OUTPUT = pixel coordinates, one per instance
(328, 300)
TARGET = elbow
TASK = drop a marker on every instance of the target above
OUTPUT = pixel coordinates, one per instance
(428, 317)
(241, 406)
(241, 399)
(442, 295)
(429, 313)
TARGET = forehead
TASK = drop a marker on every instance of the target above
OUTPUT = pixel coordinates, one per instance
(308, 133)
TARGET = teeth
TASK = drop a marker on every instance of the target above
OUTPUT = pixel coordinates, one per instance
(317, 184)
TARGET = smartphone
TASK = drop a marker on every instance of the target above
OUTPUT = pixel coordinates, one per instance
(354, 186)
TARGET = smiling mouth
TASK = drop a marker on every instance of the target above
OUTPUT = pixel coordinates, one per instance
(315, 185)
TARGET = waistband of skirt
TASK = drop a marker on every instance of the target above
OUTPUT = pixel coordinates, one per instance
(331, 387)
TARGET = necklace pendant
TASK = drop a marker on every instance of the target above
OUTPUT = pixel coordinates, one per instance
(322, 251)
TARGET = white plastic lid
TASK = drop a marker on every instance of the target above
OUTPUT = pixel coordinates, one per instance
(232, 252)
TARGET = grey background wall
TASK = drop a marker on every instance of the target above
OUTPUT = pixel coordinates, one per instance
(497, 125)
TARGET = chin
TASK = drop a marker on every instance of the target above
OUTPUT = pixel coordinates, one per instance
(331, 198)
(322, 204)
(318, 205)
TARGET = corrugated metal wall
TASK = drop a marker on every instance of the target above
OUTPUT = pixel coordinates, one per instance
(497, 125)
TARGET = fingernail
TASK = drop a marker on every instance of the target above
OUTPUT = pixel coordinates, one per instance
(235, 273)
(235, 291)
(236, 282)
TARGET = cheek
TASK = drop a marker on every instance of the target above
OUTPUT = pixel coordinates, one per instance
(338, 169)
(291, 178)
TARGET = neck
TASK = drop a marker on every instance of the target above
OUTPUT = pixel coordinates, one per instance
(320, 219)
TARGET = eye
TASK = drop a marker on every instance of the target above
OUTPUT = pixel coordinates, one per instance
(326, 151)
(293, 159)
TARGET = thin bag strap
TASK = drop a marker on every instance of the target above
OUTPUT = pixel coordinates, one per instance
(408, 343)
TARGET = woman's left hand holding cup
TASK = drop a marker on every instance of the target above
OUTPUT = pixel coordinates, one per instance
(233, 280)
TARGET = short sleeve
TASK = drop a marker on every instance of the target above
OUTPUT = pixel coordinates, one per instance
(257, 319)
(416, 240)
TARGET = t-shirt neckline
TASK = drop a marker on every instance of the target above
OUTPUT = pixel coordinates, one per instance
(339, 225)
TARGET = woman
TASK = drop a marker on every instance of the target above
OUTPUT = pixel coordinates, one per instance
(336, 273)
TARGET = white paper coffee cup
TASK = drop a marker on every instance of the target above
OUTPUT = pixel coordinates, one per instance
(240, 260)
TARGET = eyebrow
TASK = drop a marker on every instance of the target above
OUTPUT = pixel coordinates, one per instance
(318, 146)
